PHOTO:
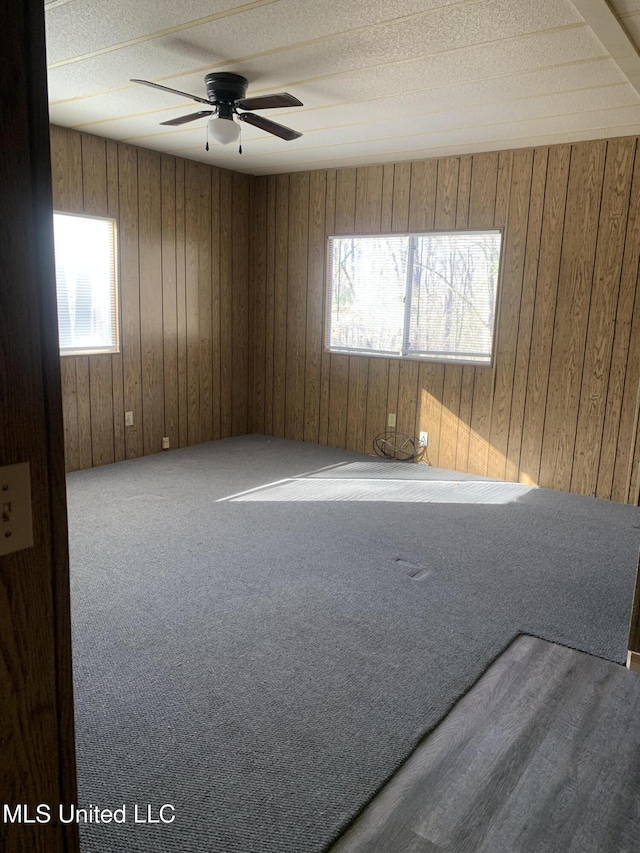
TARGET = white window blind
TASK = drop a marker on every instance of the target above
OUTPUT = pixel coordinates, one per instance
(416, 295)
(85, 258)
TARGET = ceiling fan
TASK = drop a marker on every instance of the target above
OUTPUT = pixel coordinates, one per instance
(226, 94)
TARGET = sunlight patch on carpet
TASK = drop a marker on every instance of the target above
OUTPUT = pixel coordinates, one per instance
(395, 491)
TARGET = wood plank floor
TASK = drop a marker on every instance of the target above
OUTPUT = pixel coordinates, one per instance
(543, 754)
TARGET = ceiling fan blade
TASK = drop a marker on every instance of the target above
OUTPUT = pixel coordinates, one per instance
(269, 102)
(190, 117)
(173, 91)
(270, 126)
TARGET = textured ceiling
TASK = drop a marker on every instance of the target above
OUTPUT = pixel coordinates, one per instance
(381, 80)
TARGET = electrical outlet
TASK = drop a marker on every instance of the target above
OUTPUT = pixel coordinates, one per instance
(128, 418)
(166, 444)
(391, 421)
(16, 523)
(424, 439)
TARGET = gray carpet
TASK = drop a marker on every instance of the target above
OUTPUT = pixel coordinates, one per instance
(264, 663)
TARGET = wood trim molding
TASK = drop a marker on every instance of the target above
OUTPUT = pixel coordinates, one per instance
(36, 723)
(633, 661)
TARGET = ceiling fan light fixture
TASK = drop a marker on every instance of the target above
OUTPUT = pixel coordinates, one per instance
(223, 130)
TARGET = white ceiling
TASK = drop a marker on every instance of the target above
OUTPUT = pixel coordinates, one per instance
(381, 80)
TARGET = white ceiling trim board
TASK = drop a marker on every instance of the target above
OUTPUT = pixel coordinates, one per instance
(608, 29)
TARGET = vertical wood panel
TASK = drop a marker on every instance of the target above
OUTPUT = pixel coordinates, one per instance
(447, 194)
(258, 334)
(94, 175)
(627, 434)
(602, 314)
(449, 423)
(181, 303)
(632, 493)
(192, 299)
(572, 311)
(169, 300)
(509, 312)
(150, 260)
(226, 306)
(408, 402)
(393, 388)
(430, 395)
(345, 211)
(527, 303)
(70, 413)
(101, 406)
(130, 296)
(338, 398)
(377, 392)
(401, 194)
(368, 199)
(216, 387)
(117, 377)
(58, 141)
(315, 305)
(477, 383)
(240, 352)
(205, 318)
(329, 227)
(74, 176)
(296, 306)
(447, 450)
(422, 198)
(464, 190)
(483, 391)
(270, 305)
(280, 304)
(386, 213)
(85, 452)
(621, 344)
(357, 403)
(555, 200)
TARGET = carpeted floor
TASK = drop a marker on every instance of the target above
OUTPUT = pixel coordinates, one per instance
(264, 663)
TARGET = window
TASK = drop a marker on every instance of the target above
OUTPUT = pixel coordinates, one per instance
(429, 296)
(85, 255)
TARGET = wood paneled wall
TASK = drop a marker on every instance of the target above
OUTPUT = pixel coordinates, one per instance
(559, 407)
(184, 276)
(222, 297)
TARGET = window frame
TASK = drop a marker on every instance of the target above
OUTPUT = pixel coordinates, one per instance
(116, 349)
(401, 356)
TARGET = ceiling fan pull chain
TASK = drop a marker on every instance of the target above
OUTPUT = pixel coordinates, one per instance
(206, 147)
(240, 145)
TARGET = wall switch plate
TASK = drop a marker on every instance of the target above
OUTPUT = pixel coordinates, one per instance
(391, 420)
(16, 522)
(166, 444)
(128, 418)
(424, 439)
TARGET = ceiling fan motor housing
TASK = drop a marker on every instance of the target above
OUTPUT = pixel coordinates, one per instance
(225, 88)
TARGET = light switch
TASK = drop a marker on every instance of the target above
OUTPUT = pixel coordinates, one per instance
(16, 523)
